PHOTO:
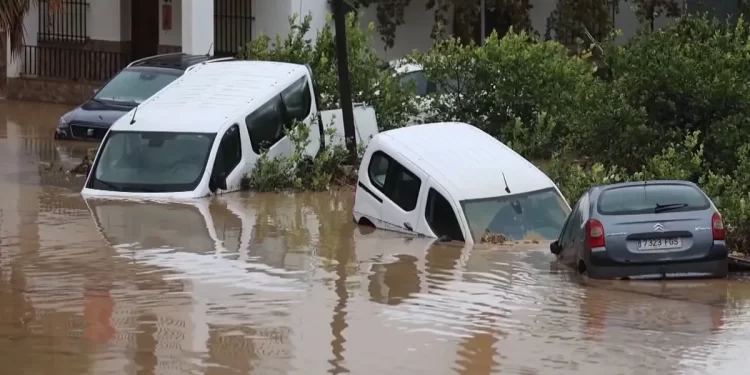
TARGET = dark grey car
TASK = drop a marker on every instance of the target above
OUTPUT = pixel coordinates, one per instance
(644, 230)
(131, 86)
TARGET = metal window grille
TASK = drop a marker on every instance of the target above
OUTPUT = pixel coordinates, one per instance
(68, 24)
(72, 63)
(233, 24)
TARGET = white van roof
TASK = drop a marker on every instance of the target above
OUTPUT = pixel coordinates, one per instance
(465, 160)
(211, 94)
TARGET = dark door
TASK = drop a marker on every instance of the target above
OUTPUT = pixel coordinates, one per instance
(144, 28)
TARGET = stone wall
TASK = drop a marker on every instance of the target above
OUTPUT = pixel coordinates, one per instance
(50, 90)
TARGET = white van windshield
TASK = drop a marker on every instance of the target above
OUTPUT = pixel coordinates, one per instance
(538, 215)
(152, 161)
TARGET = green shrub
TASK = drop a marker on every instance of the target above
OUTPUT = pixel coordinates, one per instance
(690, 76)
(299, 171)
(518, 88)
(371, 81)
(683, 161)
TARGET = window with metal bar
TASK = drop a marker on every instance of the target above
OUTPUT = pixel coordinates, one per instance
(67, 24)
(233, 25)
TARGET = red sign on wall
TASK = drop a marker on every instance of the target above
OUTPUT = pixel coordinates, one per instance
(166, 17)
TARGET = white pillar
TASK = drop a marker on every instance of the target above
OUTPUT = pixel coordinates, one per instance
(197, 26)
(13, 65)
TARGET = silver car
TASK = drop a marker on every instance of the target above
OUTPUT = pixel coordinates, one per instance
(644, 230)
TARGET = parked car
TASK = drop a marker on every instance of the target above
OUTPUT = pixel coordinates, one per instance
(644, 230)
(130, 87)
(454, 181)
(410, 73)
(204, 132)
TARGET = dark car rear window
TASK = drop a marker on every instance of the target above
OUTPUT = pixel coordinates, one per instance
(640, 199)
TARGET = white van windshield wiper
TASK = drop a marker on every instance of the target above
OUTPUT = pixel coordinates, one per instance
(668, 207)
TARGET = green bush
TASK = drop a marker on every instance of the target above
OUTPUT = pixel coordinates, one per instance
(301, 172)
(518, 88)
(690, 76)
(684, 161)
(372, 81)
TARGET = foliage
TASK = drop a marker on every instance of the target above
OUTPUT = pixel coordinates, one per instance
(522, 90)
(12, 13)
(506, 14)
(686, 77)
(371, 82)
(300, 172)
(564, 23)
(683, 161)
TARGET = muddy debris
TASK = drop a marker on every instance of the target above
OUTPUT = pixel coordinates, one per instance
(83, 168)
(493, 238)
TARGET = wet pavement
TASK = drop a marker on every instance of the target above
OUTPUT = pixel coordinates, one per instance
(286, 284)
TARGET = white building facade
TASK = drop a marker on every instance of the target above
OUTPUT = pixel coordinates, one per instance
(91, 40)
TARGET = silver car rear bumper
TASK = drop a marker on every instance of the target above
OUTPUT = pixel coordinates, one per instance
(677, 270)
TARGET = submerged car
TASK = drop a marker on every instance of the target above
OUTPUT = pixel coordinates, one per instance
(455, 182)
(129, 88)
(644, 230)
(203, 133)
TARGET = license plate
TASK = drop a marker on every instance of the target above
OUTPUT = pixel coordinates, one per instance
(660, 243)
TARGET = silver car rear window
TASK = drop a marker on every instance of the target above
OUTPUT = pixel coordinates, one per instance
(643, 199)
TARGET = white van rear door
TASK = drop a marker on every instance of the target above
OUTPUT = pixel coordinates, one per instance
(365, 124)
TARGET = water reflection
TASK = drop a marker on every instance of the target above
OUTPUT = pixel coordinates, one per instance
(285, 283)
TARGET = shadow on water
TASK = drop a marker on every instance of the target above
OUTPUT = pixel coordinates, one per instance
(285, 283)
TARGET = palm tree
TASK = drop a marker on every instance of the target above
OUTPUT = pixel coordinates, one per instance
(12, 13)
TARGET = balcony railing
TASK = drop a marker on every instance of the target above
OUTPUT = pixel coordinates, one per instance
(72, 63)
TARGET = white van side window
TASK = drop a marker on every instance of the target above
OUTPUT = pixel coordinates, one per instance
(378, 169)
(265, 125)
(441, 217)
(400, 185)
(298, 101)
(229, 154)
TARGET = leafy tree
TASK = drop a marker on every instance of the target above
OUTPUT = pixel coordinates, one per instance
(565, 22)
(504, 14)
(12, 13)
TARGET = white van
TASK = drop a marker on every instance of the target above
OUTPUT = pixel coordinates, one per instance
(454, 181)
(203, 132)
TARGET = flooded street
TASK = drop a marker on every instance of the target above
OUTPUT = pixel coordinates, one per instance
(287, 284)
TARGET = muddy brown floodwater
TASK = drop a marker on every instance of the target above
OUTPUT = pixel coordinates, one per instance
(286, 284)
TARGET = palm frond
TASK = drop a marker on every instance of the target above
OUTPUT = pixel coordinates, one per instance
(12, 13)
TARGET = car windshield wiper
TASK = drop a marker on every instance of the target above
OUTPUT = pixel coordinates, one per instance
(110, 185)
(668, 207)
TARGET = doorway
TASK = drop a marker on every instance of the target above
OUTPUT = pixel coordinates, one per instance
(144, 28)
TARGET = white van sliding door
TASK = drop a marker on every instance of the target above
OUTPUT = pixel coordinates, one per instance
(297, 100)
(267, 126)
(400, 209)
(266, 129)
(228, 159)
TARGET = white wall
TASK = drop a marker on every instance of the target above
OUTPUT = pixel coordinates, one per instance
(414, 34)
(272, 16)
(319, 11)
(172, 37)
(104, 20)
